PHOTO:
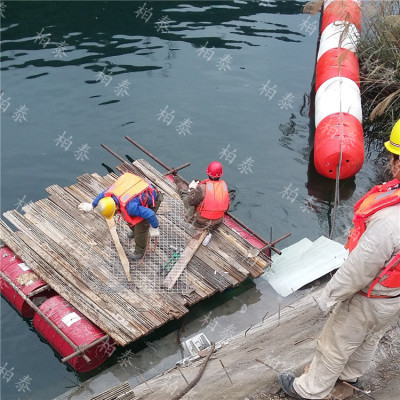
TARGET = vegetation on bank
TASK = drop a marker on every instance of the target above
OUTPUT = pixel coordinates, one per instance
(378, 51)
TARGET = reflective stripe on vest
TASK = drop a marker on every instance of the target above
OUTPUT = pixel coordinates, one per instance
(376, 199)
(216, 200)
(125, 188)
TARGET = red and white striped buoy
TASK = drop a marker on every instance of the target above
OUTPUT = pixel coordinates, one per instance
(339, 138)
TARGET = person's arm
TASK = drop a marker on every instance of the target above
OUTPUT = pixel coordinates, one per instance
(98, 198)
(196, 196)
(133, 208)
(375, 247)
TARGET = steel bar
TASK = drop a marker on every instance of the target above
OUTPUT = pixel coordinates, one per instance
(42, 314)
(148, 153)
(115, 155)
(249, 230)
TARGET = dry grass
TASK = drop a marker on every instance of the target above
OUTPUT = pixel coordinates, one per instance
(379, 54)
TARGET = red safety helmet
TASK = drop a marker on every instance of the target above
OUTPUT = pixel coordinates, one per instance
(214, 169)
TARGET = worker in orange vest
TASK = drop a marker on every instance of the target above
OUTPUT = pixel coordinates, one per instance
(207, 201)
(365, 291)
(137, 201)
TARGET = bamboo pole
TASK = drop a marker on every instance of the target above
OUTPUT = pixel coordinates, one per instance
(42, 314)
(37, 291)
(82, 349)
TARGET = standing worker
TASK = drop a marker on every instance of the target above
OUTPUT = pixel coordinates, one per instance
(207, 201)
(365, 289)
(137, 201)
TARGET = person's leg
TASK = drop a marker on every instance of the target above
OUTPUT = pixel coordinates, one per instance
(343, 333)
(141, 230)
(381, 314)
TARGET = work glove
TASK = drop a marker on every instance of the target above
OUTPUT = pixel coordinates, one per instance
(193, 184)
(322, 305)
(85, 207)
(154, 232)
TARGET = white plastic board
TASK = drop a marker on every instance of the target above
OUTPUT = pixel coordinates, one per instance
(304, 262)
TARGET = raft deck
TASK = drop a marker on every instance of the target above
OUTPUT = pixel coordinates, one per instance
(74, 253)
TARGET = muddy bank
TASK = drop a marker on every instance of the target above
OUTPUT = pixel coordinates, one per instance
(246, 368)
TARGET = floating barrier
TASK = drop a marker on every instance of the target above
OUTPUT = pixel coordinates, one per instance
(69, 330)
(23, 278)
(339, 142)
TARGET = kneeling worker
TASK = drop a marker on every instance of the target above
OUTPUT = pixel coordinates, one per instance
(207, 201)
(137, 201)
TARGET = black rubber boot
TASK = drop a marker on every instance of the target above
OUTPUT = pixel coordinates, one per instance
(286, 381)
(136, 256)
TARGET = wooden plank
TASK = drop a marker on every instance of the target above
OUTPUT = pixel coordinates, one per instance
(120, 250)
(186, 256)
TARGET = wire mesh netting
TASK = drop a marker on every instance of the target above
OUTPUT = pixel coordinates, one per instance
(162, 255)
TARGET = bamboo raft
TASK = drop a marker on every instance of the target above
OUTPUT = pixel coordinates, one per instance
(70, 250)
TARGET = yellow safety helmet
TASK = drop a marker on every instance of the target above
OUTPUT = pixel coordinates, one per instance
(393, 145)
(107, 207)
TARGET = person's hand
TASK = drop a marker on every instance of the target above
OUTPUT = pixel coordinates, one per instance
(86, 207)
(193, 184)
(154, 232)
(322, 305)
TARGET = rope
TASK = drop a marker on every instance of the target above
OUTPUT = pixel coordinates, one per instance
(337, 180)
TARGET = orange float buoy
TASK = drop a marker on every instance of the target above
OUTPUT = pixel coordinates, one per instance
(337, 62)
(339, 133)
(338, 11)
(338, 114)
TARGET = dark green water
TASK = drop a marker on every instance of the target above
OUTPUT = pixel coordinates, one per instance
(191, 82)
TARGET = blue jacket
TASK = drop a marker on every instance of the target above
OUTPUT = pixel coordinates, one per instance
(135, 208)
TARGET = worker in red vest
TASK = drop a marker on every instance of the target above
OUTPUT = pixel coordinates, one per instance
(365, 291)
(207, 201)
(137, 201)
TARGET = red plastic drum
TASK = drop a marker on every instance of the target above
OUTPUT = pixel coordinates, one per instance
(77, 328)
(25, 279)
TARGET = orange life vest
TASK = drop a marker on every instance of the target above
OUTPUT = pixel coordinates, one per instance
(376, 199)
(216, 200)
(125, 188)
